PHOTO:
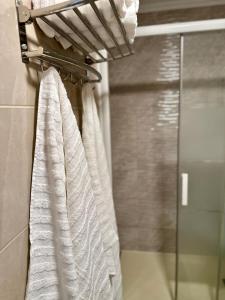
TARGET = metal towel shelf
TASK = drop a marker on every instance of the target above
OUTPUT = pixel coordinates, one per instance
(26, 16)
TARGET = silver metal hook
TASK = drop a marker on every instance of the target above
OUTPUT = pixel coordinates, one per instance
(56, 60)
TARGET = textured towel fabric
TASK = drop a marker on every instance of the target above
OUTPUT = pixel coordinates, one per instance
(127, 10)
(130, 25)
(98, 168)
(103, 5)
(67, 255)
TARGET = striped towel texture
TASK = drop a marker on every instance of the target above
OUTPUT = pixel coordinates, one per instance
(70, 255)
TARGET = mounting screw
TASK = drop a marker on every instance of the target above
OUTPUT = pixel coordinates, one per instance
(88, 61)
(24, 46)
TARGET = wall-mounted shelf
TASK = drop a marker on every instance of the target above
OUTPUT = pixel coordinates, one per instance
(88, 49)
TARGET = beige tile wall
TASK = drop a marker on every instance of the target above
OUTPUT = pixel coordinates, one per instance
(18, 98)
(18, 90)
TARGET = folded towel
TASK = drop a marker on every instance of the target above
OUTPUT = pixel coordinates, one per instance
(67, 255)
(98, 168)
(133, 2)
(103, 5)
(86, 10)
(130, 24)
(127, 12)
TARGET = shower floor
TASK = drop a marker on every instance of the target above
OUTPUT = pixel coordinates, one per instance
(151, 276)
(148, 275)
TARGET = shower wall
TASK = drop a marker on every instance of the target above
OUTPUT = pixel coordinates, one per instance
(201, 154)
(17, 99)
(144, 110)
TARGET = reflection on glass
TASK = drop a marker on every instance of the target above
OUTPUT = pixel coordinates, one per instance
(202, 156)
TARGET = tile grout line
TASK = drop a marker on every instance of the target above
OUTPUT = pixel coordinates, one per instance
(17, 106)
(13, 239)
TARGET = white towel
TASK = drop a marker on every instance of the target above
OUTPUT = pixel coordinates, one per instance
(130, 24)
(136, 4)
(67, 255)
(103, 5)
(97, 164)
(127, 11)
(86, 10)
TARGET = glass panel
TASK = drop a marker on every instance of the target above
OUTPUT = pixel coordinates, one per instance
(202, 156)
(221, 274)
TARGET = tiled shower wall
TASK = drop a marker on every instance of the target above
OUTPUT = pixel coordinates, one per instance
(18, 105)
(17, 98)
(144, 109)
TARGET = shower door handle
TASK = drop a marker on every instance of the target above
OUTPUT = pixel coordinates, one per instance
(184, 193)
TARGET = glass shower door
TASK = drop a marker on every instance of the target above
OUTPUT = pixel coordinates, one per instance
(201, 265)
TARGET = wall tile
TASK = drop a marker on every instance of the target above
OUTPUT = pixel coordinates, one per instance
(156, 239)
(124, 133)
(16, 136)
(129, 237)
(144, 111)
(157, 186)
(139, 69)
(20, 82)
(13, 266)
(125, 191)
(125, 183)
(127, 212)
(156, 141)
(147, 239)
(157, 218)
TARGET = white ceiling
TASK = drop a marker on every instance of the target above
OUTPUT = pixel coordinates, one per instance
(160, 5)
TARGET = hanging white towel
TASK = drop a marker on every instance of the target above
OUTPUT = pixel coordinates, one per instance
(127, 10)
(97, 164)
(67, 255)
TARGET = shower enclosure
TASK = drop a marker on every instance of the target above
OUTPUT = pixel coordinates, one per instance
(179, 129)
(200, 244)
